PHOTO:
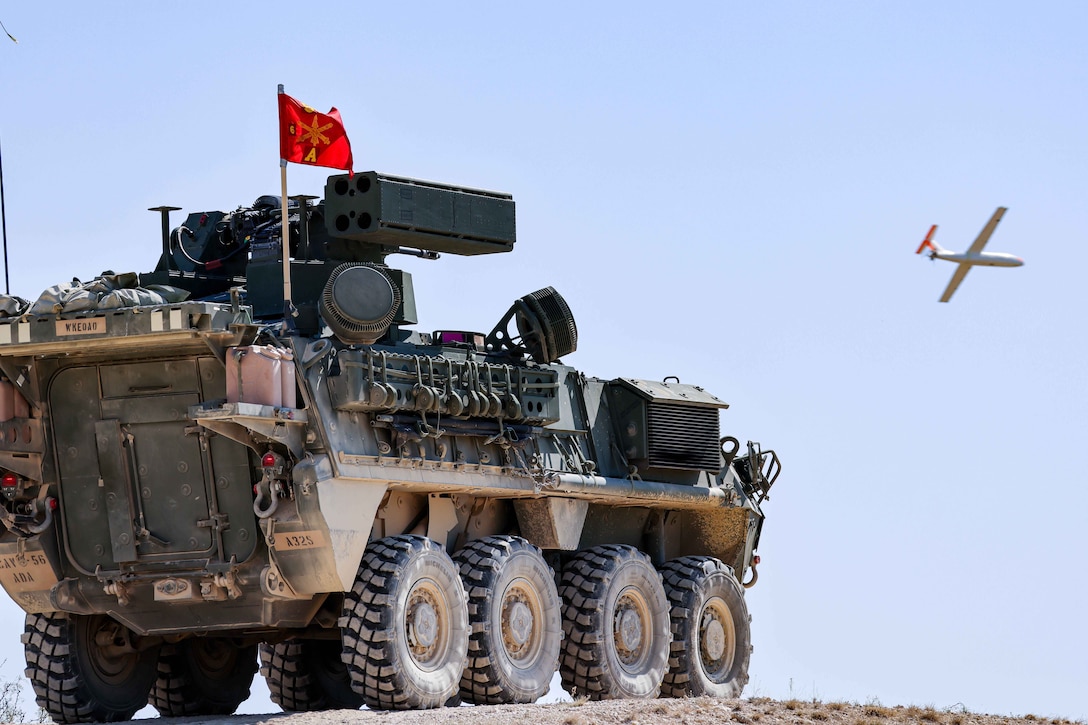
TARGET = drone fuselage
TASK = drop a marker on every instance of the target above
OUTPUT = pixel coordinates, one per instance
(985, 259)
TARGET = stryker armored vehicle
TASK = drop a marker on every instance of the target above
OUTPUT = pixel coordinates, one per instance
(200, 481)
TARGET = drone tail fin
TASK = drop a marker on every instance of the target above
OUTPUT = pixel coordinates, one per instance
(927, 243)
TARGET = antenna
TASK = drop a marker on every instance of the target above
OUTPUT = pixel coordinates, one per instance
(4, 225)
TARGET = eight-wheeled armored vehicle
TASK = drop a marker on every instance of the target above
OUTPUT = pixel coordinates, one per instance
(199, 481)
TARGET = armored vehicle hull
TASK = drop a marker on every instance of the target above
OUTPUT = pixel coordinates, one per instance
(377, 516)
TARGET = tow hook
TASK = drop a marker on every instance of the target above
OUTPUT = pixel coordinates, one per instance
(755, 574)
(49, 505)
(272, 491)
(270, 487)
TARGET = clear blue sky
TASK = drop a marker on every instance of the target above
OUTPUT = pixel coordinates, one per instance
(727, 192)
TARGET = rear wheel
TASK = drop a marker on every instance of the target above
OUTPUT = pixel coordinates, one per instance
(308, 674)
(405, 625)
(86, 668)
(711, 642)
(515, 619)
(203, 676)
(616, 621)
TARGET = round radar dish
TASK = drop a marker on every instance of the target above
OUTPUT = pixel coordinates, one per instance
(546, 325)
(363, 295)
(359, 303)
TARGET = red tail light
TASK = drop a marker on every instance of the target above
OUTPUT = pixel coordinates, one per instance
(269, 460)
(9, 480)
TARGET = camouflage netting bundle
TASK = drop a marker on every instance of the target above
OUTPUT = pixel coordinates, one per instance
(105, 292)
(12, 306)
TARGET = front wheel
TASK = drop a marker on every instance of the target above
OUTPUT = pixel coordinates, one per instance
(711, 639)
(86, 668)
(405, 625)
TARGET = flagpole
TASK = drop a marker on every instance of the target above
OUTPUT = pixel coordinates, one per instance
(286, 236)
(285, 244)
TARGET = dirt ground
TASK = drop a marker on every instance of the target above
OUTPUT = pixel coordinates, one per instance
(699, 711)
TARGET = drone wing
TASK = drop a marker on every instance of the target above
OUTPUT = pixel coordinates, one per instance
(954, 283)
(984, 235)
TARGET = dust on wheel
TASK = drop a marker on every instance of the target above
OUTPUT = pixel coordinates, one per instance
(711, 639)
(203, 676)
(308, 674)
(86, 668)
(405, 625)
(515, 617)
(616, 621)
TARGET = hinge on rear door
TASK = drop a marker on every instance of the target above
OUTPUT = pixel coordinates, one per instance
(218, 523)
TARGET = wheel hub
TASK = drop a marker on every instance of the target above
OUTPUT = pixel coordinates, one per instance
(519, 623)
(426, 623)
(630, 630)
(214, 656)
(714, 640)
(717, 638)
(629, 627)
(113, 655)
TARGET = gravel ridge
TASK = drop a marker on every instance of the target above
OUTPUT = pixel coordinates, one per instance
(693, 711)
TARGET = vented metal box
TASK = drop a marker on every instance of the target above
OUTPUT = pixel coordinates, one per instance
(399, 212)
(665, 429)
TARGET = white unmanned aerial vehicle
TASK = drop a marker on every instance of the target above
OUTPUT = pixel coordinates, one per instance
(972, 256)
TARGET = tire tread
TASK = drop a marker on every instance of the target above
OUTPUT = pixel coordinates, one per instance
(481, 563)
(367, 620)
(681, 577)
(59, 687)
(583, 589)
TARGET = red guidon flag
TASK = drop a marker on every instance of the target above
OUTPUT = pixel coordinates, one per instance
(309, 137)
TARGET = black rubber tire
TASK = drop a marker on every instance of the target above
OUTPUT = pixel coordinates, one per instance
(74, 680)
(711, 637)
(616, 621)
(504, 577)
(308, 675)
(203, 676)
(405, 625)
